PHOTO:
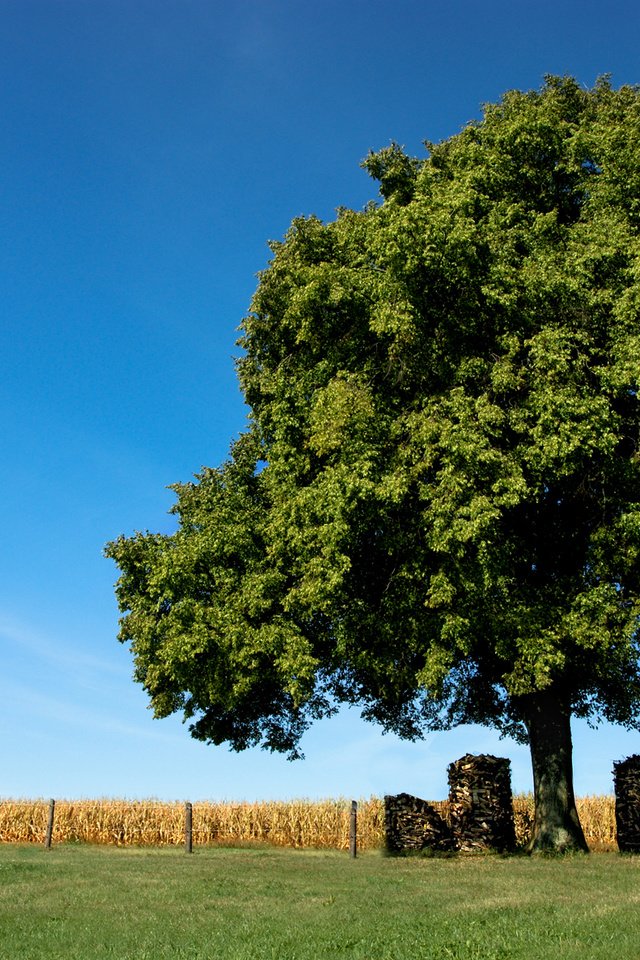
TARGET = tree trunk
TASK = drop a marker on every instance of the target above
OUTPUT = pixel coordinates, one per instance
(556, 827)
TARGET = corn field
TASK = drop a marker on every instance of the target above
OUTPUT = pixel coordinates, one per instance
(296, 823)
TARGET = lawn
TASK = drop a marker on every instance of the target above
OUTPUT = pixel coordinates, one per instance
(85, 902)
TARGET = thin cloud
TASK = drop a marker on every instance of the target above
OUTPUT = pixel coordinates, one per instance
(18, 698)
(23, 635)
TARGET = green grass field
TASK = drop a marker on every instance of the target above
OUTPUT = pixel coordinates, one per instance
(84, 902)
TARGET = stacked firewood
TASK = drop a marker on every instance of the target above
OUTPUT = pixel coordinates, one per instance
(481, 803)
(626, 781)
(413, 824)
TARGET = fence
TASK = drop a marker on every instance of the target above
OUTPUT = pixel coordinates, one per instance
(329, 824)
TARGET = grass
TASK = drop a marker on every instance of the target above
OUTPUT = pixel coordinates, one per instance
(85, 902)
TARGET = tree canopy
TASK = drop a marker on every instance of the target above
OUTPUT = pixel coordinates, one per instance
(434, 511)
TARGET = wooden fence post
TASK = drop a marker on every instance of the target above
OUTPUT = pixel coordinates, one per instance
(188, 828)
(52, 809)
(353, 830)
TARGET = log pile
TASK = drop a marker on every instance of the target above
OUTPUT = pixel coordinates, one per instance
(481, 803)
(626, 782)
(413, 824)
(481, 811)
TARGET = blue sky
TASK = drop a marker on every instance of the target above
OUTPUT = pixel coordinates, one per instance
(150, 150)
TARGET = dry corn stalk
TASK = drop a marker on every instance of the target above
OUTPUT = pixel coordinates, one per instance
(296, 823)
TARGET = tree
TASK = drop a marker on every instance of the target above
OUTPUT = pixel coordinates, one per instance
(434, 512)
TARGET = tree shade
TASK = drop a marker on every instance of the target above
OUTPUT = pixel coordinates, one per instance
(434, 512)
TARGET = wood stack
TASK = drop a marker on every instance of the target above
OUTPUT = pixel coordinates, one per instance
(481, 803)
(413, 824)
(626, 782)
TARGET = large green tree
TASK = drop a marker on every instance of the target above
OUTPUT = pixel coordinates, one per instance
(434, 512)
